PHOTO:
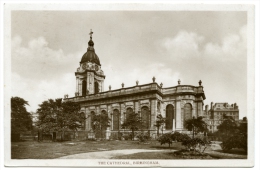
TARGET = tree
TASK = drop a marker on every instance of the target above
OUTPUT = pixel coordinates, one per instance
(235, 141)
(159, 122)
(243, 126)
(59, 116)
(228, 127)
(196, 125)
(166, 138)
(133, 122)
(234, 135)
(21, 120)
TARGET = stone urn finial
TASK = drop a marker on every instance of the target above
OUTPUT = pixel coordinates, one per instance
(153, 79)
(161, 85)
(109, 87)
(137, 82)
(122, 85)
(179, 82)
(200, 82)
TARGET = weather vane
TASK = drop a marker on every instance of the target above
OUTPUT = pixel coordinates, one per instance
(91, 33)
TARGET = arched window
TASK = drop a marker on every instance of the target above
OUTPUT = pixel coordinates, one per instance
(84, 87)
(145, 116)
(128, 111)
(169, 116)
(104, 117)
(187, 111)
(96, 88)
(116, 118)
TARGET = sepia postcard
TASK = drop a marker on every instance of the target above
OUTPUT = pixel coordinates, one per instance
(129, 85)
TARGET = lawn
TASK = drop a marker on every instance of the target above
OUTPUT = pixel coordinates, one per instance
(50, 150)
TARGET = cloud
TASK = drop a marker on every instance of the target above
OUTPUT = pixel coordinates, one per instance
(40, 73)
(35, 92)
(233, 47)
(184, 44)
(221, 66)
(38, 61)
(192, 45)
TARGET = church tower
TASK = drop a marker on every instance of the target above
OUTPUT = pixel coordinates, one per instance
(89, 76)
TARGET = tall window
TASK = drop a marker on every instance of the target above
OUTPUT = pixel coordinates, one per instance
(103, 118)
(84, 87)
(116, 116)
(169, 116)
(145, 116)
(128, 111)
(187, 111)
(96, 88)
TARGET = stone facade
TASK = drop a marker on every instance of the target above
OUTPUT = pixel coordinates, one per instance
(185, 104)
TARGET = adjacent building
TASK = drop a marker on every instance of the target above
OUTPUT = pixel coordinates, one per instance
(214, 115)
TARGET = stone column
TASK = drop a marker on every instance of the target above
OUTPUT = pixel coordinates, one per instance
(88, 123)
(136, 106)
(200, 108)
(178, 114)
(122, 110)
(173, 125)
(80, 89)
(109, 116)
(91, 83)
(102, 84)
(153, 109)
(112, 121)
(77, 84)
(193, 111)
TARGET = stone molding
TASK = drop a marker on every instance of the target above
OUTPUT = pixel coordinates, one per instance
(183, 102)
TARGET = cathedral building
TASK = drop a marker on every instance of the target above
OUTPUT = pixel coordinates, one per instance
(177, 103)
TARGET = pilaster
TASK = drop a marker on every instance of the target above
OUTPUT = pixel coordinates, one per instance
(178, 115)
(122, 110)
(153, 110)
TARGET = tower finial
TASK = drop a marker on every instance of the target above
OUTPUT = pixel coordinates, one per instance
(90, 33)
(90, 43)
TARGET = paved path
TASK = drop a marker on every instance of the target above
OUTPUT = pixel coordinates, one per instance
(109, 154)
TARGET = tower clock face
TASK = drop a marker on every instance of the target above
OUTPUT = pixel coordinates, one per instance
(96, 67)
(84, 66)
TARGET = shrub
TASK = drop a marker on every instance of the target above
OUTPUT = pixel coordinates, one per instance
(165, 138)
(143, 137)
(238, 141)
(127, 136)
(193, 143)
(180, 137)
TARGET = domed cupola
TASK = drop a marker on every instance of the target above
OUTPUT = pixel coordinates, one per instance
(90, 55)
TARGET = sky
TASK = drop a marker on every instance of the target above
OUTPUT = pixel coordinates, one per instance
(47, 47)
